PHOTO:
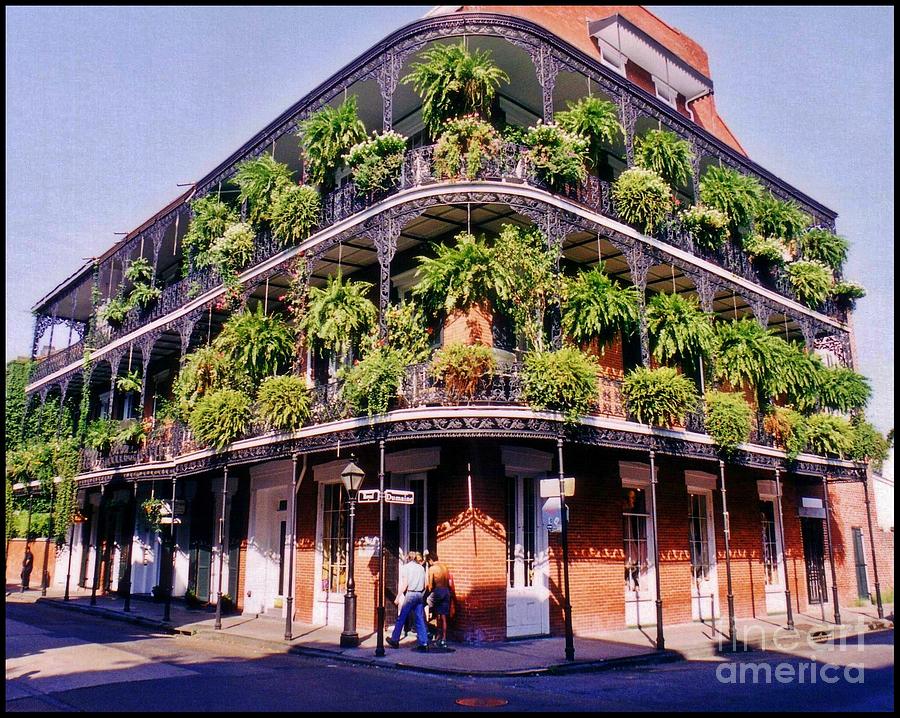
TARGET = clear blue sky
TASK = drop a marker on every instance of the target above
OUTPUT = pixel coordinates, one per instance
(108, 108)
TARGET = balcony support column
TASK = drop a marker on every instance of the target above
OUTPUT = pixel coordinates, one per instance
(385, 238)
(695, 169)
(388, 76)
(834, 588)
(865, 484)
(556, 235)
(628, 114)
(546, 68)
(639, 263)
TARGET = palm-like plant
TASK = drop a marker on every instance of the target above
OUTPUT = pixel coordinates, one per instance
(776, 218)
(260, 180)
(261, 344)
(744, 355)
(735, 194)
(597, 307)
(595, 120)
(667, 155)
(459, 276)
(327, 136)
(453, 82)
(339, 315)
(679, 330)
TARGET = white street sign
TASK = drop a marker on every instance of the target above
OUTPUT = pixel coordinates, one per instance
(368, 496)
(550, 487)
(393, 496)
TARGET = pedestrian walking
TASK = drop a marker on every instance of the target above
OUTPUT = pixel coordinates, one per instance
(412, 591)
(439, 585)
(27, 567)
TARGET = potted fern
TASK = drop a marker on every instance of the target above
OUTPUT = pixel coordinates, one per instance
(846, 293)
(461, 367)
(728, 419)
(777, 218)
(766, 252)
(735, 194)
(667, 155)
(596, 121)
(371, 384)
(260, 180)
(326, 137)
(376, 163)
(811, 281)
(220, 417)
(707, 225)
(295, 212)
(563, 380)
(829, 435)
(558, 156)
(463, 146)
(453, 82)
(820, 245)
(658, 397)
(283, 402)
(642, 198)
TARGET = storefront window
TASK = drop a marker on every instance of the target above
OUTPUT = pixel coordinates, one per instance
(334, 540)
(699, 537)
(770, 542)
(634, 528)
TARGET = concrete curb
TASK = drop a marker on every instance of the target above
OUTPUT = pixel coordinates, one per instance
(101, 612)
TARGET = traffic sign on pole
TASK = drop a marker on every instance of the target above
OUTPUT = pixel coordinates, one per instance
(368, 496)
(393, 496)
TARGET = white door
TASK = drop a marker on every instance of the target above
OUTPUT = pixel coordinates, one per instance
(773, 563)
(527, 593)
(704, 579)
(640, 569)
(331, 556)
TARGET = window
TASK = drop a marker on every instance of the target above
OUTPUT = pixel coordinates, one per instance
(699, 537)
(634, 529)
(520, 534)
(665, 92)
(334, 539)
(612, 58)
(770, 542)
(418, 539)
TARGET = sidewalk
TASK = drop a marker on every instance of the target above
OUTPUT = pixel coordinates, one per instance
(593, 652)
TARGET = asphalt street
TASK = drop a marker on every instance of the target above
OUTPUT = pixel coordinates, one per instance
(63, 661)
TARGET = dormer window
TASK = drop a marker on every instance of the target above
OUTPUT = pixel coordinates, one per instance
(612, 58)
(665, 92)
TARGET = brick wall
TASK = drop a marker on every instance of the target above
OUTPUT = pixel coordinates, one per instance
(473, 326)
(15, 554)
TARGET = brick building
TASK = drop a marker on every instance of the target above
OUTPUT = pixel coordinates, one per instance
(474, 466)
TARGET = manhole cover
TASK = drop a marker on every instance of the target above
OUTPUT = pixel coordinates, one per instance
(482, 702)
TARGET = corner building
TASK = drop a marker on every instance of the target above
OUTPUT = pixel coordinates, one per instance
(474, 466)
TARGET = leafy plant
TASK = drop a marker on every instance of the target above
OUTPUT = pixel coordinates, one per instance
(743, 355)
(766, 251)
(558, 156)
(463, 145)
(827, 434)
(667, 155)
(679, 330)
(707, 225)
(461, 367)
(642, 198)
(151, 511)
(234, 249)
(376, 163)
(101, 433)
(868, 443)
(295, 213)
(735, 194)
(327, 136)
(596, 120)
(130, 382)
(284, 402)
(371, 384)
(139, 270)
(115, 311)
(659, 397)
(823, 246)
(407, 332)
(339, 316)
(453, 82)
(220, 416)
(526, 280)
(143, 295)
(777, 218)
(563, 380)
(842, 389)
(258, 343)
(594, 306)
(846, 293)
(459, 276)
(211, 218)
(130, 433)
(793, 374)
(789, 429)
(728, 419)
(205, 370)
(260, 180)
(811, 281)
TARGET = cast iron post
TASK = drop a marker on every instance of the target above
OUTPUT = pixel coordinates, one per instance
(727, 528)
(567, 606)
(834, 589)
(787, 581)
(660, 638)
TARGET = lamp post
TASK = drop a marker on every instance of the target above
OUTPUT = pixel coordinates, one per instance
(77, 519)
(352, 477)
(45, 574)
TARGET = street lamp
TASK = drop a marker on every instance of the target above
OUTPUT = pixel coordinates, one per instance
(77, 519)
(352, 477)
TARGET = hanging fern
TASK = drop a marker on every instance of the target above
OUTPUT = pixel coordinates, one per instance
(557, 156)
(667, 155)
(143, 295)
(211, 218)
(459, 276)
(842, 389)
(728, 419)
(811, 281)
(735, 194)
(453, 82)
(130, 382)
(594, 306)
(846, 293)
(295, 213)
(823, 246)
(777, 218)
(707, 225)
(284, 402)
(339, 315)
(642, 198)
(793, 374)
(327, 136)
(766, 251)
(596, 120)
(220, 417)
(829, 435)
(139, 270)
(679, 330)
(461, 367)
(659, 397)
(744, 355)
(564, 380)
(259, 344)
(260, 180)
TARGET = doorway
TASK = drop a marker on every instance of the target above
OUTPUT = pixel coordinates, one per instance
(527, 593)
(862, 580)
(814, 556)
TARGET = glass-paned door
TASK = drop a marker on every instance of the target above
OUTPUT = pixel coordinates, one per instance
(527, 595)
(332, 583)
(640, 591)
(773, 565)
(701, 539)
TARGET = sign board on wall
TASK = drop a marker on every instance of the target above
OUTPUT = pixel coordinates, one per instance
(551, 515)
(550, 487)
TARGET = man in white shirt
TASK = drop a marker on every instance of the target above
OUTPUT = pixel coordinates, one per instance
(412, 588)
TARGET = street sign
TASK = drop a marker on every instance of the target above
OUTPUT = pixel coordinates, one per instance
(550, 487)
(551, 515)
(393, 496)
(166, 520)
(368, 496)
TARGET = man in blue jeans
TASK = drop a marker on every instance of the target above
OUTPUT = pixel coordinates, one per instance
(412, 588)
